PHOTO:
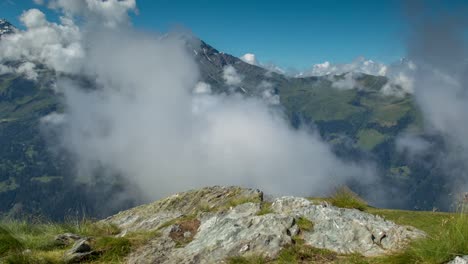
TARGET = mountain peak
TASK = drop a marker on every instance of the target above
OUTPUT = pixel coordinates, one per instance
(6, 27)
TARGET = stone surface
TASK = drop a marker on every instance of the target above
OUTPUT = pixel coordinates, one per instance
(152, 216)
(459, 260)
(346, 230)
(236, 232)
(67, 238)
(212, 224)
(80, 252)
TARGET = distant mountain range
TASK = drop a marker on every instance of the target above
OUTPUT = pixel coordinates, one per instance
(359, 123)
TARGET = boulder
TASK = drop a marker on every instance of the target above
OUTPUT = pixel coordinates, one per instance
(152, 216)
(81, 251)
(67, 238)
(346, 230)
(236, 232)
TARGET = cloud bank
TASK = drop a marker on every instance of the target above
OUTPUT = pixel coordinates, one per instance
(149, 118)
(439, 47)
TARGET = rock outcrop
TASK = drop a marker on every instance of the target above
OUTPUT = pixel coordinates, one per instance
(212, 224)
(346, 230)
(67, 239)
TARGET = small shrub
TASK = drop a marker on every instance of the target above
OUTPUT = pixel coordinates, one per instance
(345, 198)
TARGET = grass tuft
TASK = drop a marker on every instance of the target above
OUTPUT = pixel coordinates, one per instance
(450, 241)
(304, 224)
(346, 198)
(301, 253)
(247, 260)
(8, 243)
(112, 249)
(265, 208)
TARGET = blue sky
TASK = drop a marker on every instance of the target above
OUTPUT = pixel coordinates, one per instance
(292, 34)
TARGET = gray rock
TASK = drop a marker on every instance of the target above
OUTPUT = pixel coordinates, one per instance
(459, 260)
(222, 222)
(80, 251)
(237, 232)
(152, 216)
(67, 238)
(347, 230)
(80, 246)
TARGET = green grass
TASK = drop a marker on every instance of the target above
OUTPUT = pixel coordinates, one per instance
(180, 219)
(304, 224)
(247, 260)
(46, 179)
(112, 249)
(429, 222)
(319, 101)
(265, 208)
(8, 243)
(369, 138)
(345, 198)
(445, 241)
(233, 202)
(39, 240)
(447, 237)
(387, 110)
(40, 236)
(301, 253)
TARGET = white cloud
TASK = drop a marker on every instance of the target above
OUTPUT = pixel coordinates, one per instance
(153, 122)
(58, 46)
(39, 2)
(5, 69)
(111, 13)
(359, 65)
(439, 85)
(413, 145)
(249, 58)
(268, 93)
(33, 18)
(28, 70)
(202, 88)
(400, 74)
(345, 81)
(231, 77)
